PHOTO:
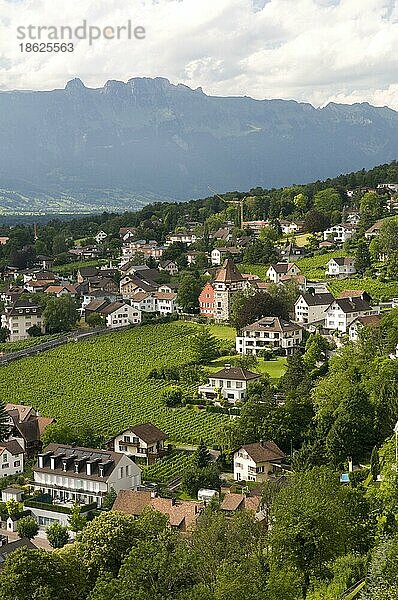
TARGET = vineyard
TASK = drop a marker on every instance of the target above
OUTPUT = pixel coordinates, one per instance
(9, 347)
(377, 289)
(169, 468)
(103, 382)
(314, 267)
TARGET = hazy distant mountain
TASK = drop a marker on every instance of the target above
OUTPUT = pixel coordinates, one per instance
(127, 144)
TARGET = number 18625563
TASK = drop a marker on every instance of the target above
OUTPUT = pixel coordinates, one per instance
(46, 47)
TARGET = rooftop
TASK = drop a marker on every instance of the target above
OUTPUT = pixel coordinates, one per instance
(235, 373)
(79, 462)
(228, 273)
(264, 451)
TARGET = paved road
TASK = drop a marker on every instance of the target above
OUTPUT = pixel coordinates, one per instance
(74, 336)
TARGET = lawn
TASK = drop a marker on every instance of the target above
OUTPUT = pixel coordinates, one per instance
(259, 270)
(274, 368)
(103, 382)
(302, 239)
(224, 332)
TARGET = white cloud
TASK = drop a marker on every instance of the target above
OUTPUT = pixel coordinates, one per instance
(310, 50)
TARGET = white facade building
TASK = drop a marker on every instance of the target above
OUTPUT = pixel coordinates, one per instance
(310, 308)
(228, 384)
(219, 255)
(11, 458)
(340, 233)
(269, 333)
(20, 317)
(101, 236)
(120, 314)
(141, 441)
(343, 311)
(276, 271)
(83, 475)
(257, 462)
(341, 267)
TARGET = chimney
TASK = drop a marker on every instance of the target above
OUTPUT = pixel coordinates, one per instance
(262, 443)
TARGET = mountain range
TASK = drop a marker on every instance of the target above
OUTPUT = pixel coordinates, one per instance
(124, 145)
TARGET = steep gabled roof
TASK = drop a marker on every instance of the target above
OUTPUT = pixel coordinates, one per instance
(111, 308)
(228, 273)
(349, 305)
(13, 447)
(324, 299)
(264, 451)
(343, 260)
(375, 227)
(148, 433)
(23, 411)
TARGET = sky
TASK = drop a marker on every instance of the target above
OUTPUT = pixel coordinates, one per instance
(314, 51)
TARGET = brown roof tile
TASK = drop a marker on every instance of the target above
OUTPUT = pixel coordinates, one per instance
(264, 452)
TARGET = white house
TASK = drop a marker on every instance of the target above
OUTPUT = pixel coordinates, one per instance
(120, 314)
(359, 323)
(257, 462)
(143, 301)
(343, 311)
(61, 290)
(170, 266)
(20, 317)
(166, 302)
(228, 384)
(218, 255)
(269, 333)
(289, 227)
(11, 458)
(341, 267)
(374, 230)
(101, 237)
(340, 233)
(276, 271)
(141, 441)
(310, 307)
(184, 237)
(72, 474)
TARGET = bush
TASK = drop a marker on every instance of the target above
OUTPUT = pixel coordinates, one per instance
(27, 528)
(57, 535)
(172, 396)
(267, 354)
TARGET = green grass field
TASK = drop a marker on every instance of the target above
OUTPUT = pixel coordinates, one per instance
(274, 368)
(223, 332)
(259, 270)
(103, 383)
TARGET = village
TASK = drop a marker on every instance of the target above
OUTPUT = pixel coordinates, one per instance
(197, 276)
